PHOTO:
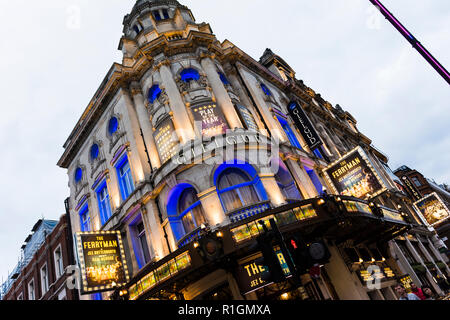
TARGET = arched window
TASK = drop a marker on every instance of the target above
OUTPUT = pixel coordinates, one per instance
(94, 151)
(154, 93)
(286, 183)
(78, 175)
(184, 210)
(190, 210)
(237, 189)
(189, 74)
(113, 125)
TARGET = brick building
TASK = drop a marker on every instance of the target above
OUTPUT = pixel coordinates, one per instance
(41, 271)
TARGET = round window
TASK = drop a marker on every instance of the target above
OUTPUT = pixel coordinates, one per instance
(113, 125)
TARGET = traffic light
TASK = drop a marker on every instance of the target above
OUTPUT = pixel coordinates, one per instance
(307, 255)
(298, 249)
(269, 260)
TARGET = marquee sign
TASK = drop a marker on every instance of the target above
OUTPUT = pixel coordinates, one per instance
(249, 274)
(432, 209)
(304, 125)
(353, 175)
(210, 119)
(102, 260)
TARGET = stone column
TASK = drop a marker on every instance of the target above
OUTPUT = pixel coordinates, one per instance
(301, 177)
(419, 258)
(151, 215)
(403, 264)
(220, 92)
(212, 207)
(132, 128)
(144, 121)
(438, 255)
(182, 123)
(272, 189)
(262, 105)
(427, 254)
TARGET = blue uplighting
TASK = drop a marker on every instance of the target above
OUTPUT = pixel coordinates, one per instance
(266, 90)
(113, 125)
(94, 151)
(189, 75)
(78, 174)
(154, 93)
(223, 78)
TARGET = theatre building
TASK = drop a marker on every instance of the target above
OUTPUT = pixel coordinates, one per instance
(189, 143)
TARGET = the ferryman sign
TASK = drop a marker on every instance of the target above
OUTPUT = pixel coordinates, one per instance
(304, 125)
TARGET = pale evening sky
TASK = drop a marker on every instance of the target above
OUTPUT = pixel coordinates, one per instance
(51, 67)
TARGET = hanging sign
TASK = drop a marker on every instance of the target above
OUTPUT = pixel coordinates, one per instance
(433, 209)
(102, 260)
(304, 125)
(353, 175)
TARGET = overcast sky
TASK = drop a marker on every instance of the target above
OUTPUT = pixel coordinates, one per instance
(55, 53)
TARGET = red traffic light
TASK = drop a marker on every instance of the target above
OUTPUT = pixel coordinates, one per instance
(294, 244)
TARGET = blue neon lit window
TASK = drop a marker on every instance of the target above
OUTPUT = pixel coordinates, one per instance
(223, 78)
(237, 190)
(315, 180)
(154, 93)
(94, 151)
(165, 13)
(113, 125)
(97, 296)
(318, 153)
(189, 74)
(265, 90)
(104, 204)
(125, 178)
(78, 175)
(190, 211)
(289, 133)
(85, 219)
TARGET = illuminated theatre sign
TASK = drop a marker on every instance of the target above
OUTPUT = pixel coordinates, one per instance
(353, 175)
(102, 261)
(210, 119)
(304, 125)
(432, 209)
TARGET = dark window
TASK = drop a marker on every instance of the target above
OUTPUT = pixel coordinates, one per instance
(143, 252)
(136, 29)
(165, 13)
(289, 133)
(416, 181)
(157, 15)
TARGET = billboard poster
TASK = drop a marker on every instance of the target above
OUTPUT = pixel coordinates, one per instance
(247, 117)
(102, 260)
(433, 209)
(165, 140)
(353, 175)
(210, 119)
(305, 126)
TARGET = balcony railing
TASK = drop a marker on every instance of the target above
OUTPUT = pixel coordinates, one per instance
(249, 211)
(192, 236)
